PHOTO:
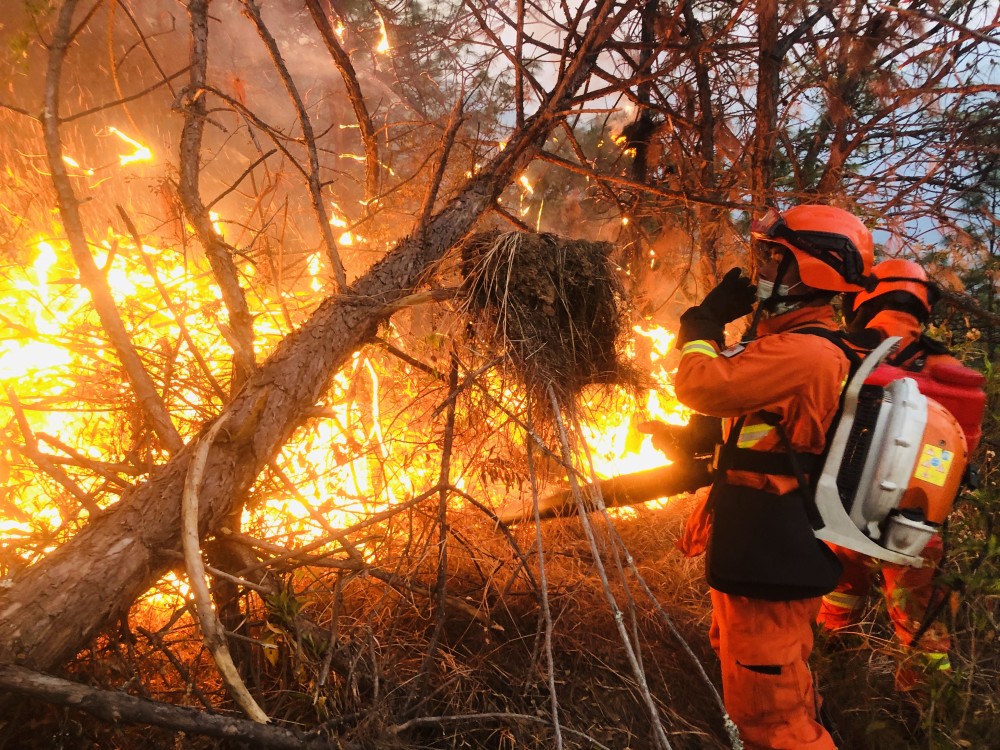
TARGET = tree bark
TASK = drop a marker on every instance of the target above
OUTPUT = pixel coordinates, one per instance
(54, 608)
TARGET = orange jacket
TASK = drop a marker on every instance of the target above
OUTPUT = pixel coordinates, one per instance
(799, 377)
(896, 323)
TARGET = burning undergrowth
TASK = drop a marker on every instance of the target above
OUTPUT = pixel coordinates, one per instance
(555, 306)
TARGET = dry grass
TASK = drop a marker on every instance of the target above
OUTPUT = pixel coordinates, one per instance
(481, 681)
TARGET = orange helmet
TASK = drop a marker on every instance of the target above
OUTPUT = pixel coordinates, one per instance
(833, 249)
(900, 275)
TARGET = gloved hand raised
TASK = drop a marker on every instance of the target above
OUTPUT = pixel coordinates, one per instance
(732, 298)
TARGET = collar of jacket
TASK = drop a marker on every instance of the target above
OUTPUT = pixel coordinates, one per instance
(896, 323)
(820, 316)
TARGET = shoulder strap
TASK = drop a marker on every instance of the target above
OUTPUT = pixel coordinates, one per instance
(792, 462)
(854, 348)
(914, 355)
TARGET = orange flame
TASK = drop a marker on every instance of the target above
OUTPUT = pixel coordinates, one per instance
(383, 44)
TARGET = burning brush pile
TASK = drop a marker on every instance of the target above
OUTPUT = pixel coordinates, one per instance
(554, 306)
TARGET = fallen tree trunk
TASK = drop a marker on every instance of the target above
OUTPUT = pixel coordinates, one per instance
(118, 708)
(56, 607)
(625, 489)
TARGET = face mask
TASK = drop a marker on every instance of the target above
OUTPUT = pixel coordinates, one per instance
(772, 297)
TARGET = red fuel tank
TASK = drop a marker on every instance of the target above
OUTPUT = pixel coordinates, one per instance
(958, 389)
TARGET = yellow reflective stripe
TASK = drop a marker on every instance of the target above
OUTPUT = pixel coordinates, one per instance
(699, 347)
(936, 660)
(844, 601)
(752, 434)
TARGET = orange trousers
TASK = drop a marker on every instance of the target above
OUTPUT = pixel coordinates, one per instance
(908, 592)
(766, 684)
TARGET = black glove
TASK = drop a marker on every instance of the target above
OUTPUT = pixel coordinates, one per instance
(732, 298)
(696, 438)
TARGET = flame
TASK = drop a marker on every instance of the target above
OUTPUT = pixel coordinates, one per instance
(383, 44)
(615, 443)
(337, 218)
(141, 153)
(216, 224)
(526, 184)
(358, 458)
(313, 266)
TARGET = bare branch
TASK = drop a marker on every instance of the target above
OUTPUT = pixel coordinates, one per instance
(211, 628)
(195, 112)
(252, 11)
(354, 95)
(69, 209)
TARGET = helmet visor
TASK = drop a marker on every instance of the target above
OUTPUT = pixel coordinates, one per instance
(835, 250)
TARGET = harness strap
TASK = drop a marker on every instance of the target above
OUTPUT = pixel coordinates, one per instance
(764, 462)
(914, 355)
(851, 348)
(794, 463)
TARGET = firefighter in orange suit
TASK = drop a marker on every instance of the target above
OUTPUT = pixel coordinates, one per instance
(780, 393)
(899, 305)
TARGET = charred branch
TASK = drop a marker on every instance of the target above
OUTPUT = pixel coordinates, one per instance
(195, 114)
(118, 708)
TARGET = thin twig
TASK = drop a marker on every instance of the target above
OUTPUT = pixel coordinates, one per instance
(355, 96)
(252, 11)
(544, 596)
(168, 300)
(30, 450)
(433, 721)
(447, 142)
(440, 584)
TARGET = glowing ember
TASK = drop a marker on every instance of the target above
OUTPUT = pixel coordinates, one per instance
(70, 161)
(141, 153)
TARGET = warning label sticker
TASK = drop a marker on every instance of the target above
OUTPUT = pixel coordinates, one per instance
(934, 464)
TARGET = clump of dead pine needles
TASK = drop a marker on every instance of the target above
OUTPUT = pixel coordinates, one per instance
(554, 305)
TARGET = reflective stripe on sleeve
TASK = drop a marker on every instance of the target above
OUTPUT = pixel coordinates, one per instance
(843, 601)
(752, 434)
(935, 660)
(699, 347)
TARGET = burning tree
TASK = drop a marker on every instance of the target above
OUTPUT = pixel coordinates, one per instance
(264, 312)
